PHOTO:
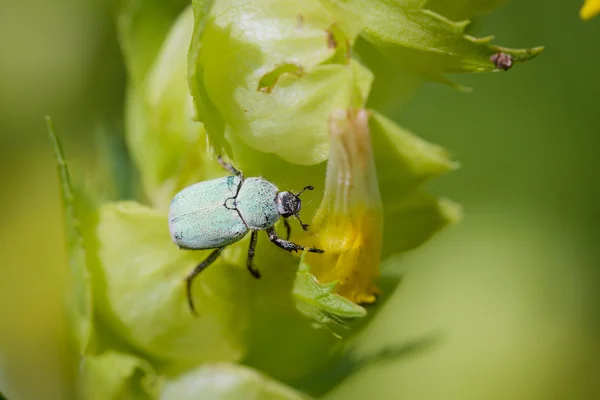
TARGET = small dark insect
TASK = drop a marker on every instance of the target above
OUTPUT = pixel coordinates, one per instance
(502, 61)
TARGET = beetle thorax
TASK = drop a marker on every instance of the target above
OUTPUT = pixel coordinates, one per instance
(255, 203)
(288, 204)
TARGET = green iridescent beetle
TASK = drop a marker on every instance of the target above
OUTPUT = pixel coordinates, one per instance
(216, 213)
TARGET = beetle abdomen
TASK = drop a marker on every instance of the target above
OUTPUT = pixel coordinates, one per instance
(198, 218)
(256, 203)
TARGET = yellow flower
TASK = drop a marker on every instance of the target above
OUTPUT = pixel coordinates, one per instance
(589, 9)
(348, 223)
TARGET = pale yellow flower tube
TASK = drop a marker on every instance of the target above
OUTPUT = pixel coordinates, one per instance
(349, 220)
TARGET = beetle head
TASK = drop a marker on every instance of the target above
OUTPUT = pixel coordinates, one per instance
(289, 204)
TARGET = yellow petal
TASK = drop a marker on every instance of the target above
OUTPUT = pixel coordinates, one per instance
(589, 9)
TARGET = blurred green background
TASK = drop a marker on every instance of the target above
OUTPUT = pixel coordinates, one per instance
(512, 291)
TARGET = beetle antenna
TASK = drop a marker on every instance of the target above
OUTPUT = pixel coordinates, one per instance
(304, 226)
(310, 187)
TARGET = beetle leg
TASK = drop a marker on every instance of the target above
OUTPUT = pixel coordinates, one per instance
(287, 245)
(304, 226)
(253, 237)
(288, 229)
(199, 268)
(232, 170)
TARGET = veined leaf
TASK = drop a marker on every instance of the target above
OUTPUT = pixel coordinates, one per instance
(295, 69)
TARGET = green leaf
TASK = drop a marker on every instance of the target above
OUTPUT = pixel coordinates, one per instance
(117, 376)
(142, 26)
(279, 98)
(139, 289)
(461, 9)
(318, 302)
(166, 142)
(394, 86)
(224, 382)
(206, 110)
(78, 296)
(114, 176)
(402, 36)
(395, 29)
(404, 162)
(414, 220)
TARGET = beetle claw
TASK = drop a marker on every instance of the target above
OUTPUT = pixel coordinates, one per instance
(255, 273)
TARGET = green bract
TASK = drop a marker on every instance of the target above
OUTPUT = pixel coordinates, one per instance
(404, 42)
(143, 299)
(317, 300)
(274, 78)
(411, 216)
(226, 382)
(256, 81)
(114, 375)
(459, 9)
(165, 142)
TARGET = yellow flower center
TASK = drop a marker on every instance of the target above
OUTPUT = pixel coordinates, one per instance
(353, 253)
